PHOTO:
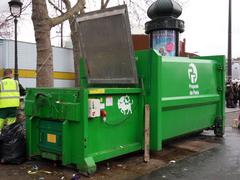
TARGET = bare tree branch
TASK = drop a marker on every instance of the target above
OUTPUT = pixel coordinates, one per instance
(55, 6)
(77, 54)
(137, 6)
(6, 29)
(26, 6)
(57, 20)
(67, 4)
(104, 4)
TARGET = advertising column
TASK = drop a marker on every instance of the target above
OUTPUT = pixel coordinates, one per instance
(164, 41)
(165, 27)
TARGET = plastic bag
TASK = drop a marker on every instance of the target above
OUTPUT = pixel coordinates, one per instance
(13, 144)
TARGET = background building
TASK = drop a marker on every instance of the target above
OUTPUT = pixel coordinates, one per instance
(236, 69)
(62, 63)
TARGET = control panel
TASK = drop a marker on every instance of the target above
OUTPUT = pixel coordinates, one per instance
(94, 108)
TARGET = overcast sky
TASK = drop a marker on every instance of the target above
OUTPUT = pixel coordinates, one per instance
(205, 26)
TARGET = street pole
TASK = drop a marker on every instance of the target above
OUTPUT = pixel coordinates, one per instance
(61, 29)
(16, 51)
(15, 9)
(230, 41)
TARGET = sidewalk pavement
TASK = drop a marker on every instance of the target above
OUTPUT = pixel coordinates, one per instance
(218, 163)
(230, 110)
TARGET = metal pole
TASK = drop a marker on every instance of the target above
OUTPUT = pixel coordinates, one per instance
(61, 34)
(61, 29)
(230, 41)
(16, 52)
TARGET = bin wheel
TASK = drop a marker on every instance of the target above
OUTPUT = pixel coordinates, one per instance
(219, 135)
(218, 132)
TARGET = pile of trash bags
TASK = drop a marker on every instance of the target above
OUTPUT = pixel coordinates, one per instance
(13, 144)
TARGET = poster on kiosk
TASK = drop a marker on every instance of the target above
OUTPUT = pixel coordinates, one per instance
(164, 41)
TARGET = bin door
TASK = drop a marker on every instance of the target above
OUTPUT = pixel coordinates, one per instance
(106, 44)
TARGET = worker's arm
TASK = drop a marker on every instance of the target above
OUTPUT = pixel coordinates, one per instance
(22, 90)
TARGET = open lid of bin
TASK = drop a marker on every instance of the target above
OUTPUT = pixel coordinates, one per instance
(106, 44)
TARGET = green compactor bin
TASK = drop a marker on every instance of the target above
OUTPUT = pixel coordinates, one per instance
(61, 124)
(185, 94)
(104, 118)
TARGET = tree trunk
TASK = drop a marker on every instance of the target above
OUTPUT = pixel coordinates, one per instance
(76, 49)
(77, 53)
(42, 30)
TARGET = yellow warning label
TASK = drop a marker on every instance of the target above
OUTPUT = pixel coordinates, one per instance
(96, 91)
(52, 138)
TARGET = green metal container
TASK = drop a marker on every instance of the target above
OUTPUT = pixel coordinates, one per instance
(105, 117)
(185, 94)
(59, 126)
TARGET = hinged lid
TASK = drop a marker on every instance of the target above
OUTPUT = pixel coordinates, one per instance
(106, 44)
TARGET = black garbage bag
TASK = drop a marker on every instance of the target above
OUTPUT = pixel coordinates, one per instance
(13, 144)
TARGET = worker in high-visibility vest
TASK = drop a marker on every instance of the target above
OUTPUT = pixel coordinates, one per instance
(9, 98)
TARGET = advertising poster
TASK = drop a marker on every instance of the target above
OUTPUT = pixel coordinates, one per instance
(164, 41)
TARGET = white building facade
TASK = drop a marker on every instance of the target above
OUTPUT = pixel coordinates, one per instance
(236, 71)
(63, 63)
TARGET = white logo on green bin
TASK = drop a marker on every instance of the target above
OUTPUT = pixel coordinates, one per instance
(192, 73)
(193, 77)
(125, 105)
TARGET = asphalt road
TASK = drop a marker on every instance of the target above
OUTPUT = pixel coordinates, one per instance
(219, 163)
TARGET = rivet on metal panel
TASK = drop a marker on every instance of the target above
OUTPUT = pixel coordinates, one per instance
(219, 89)
(220, 68)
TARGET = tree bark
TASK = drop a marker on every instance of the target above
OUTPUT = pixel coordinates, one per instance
(104, 4)
(77, 54)
(42, 30)
(42, 27)
(70, 13)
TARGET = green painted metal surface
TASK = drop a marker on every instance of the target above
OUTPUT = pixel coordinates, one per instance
(50, 136)
(58, 126)
(185, 95)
